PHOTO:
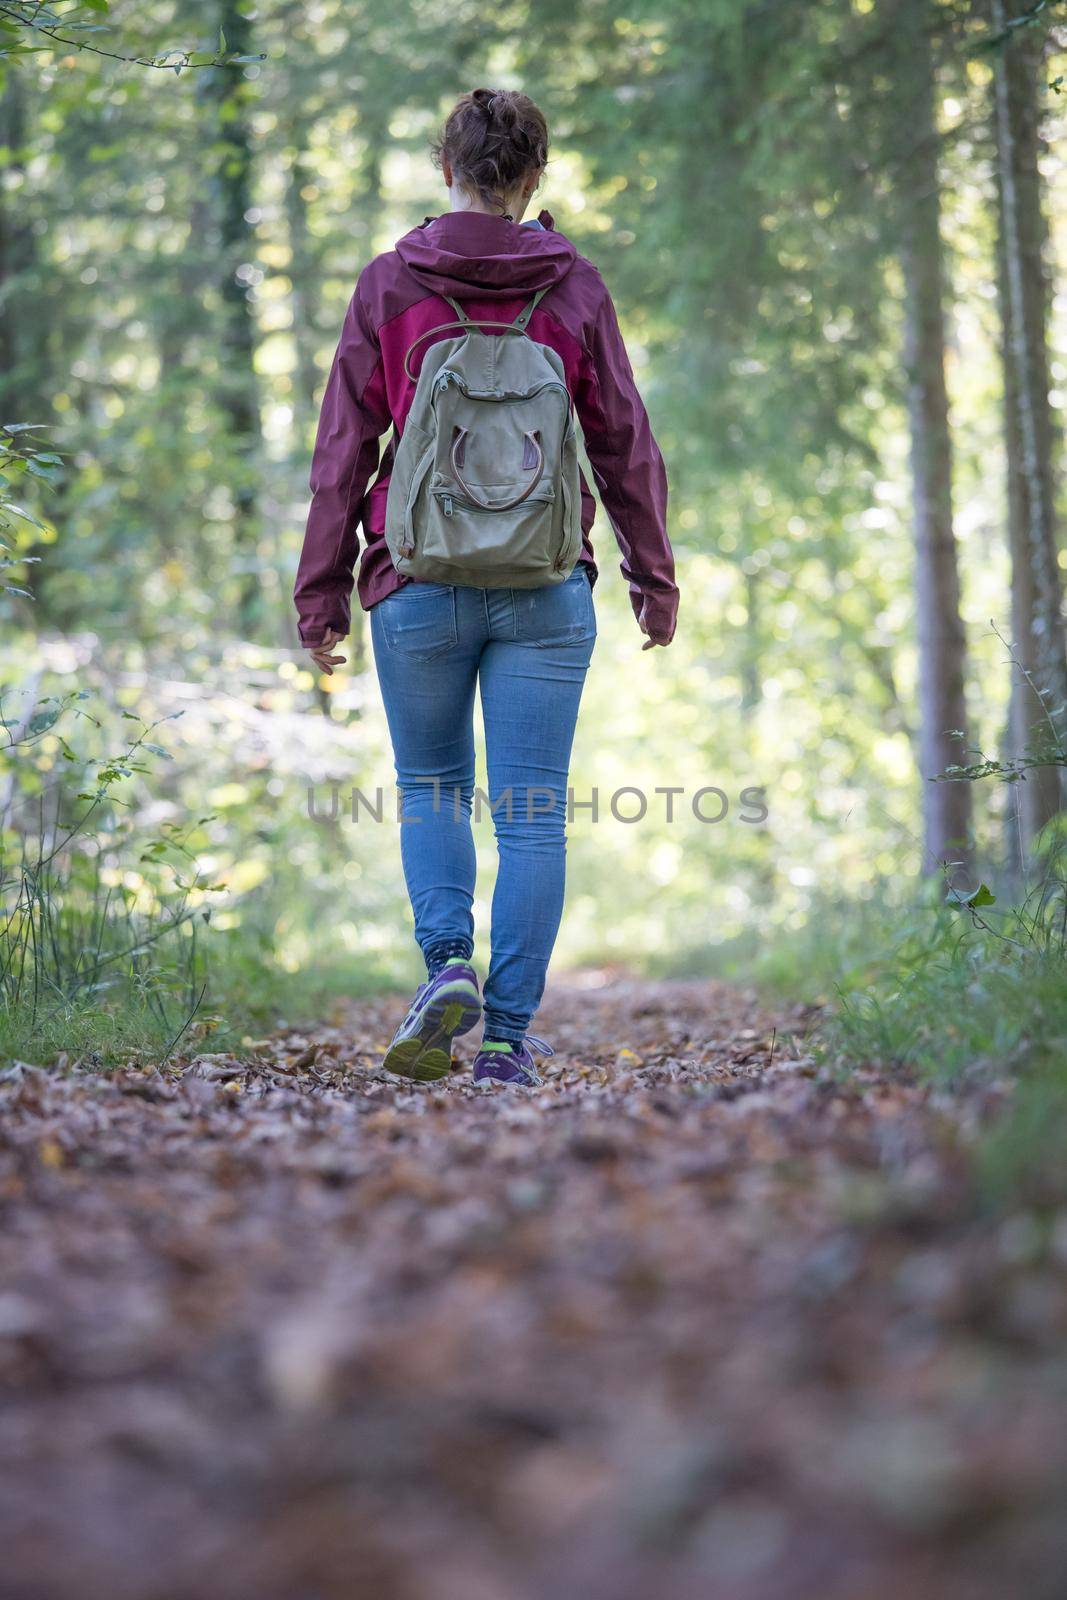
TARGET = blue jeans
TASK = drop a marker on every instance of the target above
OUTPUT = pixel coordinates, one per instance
(529, 650)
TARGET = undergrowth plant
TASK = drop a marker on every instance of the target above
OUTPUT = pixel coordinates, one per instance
(98, 926)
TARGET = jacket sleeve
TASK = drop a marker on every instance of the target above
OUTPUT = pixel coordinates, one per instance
(629, 473)
(354, 415)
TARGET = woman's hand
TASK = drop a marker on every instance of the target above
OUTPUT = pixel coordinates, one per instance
(652, 641)
(320, 653)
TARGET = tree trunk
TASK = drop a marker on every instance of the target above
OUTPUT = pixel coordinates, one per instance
(303, 276)
(18, 256)
(1038, 717)
(226, 90)
(30, 341)
(1035, 800)
(942, 646)
(32, 346)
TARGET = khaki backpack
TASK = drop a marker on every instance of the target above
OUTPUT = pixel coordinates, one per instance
(484, 490)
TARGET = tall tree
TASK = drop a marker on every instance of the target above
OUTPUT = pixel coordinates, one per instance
(942, 645)
(941, 639)
(22, 335)
(226, 90)
(303, 276)
(1039, 690)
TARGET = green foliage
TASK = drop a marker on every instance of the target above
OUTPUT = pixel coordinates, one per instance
(107, 947)
(20, 459)
(1039, 13)
(975, 1002)
(956, 1002)
(250, 992)
(28, 27)
(75, 932)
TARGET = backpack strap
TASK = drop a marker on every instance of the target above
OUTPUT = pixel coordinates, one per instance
(463, 321)
(520, 321)
(528, 310)
(442, 327)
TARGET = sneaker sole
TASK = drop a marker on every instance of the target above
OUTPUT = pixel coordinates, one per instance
(427, 1055)
(507, 1083)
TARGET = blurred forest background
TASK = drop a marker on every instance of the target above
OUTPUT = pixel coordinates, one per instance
(837, 234)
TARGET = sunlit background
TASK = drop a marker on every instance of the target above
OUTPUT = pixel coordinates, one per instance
(181, 250)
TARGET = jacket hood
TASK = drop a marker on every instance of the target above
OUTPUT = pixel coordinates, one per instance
(472, 252)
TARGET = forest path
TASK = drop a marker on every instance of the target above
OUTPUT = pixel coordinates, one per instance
(697, 1320)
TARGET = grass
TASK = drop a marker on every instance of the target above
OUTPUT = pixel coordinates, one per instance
(231, 988)
(249, 991)
(915, 984)
(107, 948)
(96, 1032)
(927, 988)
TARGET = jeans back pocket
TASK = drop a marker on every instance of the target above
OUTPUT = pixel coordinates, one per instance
(559, 613)
(419, 620)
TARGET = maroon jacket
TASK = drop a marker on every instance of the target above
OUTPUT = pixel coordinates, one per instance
(492, 267)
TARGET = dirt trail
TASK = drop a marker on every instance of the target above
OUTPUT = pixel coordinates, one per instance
(695, 1321)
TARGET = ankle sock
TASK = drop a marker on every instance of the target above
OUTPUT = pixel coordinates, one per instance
(445, 950)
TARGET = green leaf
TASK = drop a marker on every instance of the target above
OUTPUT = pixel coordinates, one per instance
(19, 511)
(982, 896)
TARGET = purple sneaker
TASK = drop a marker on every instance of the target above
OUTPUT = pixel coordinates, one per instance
(443, 1007)
(509, 1063)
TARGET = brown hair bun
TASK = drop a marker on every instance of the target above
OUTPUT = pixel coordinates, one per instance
(494, 139)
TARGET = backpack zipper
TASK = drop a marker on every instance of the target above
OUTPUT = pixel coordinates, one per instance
(447, 377)
(449, 501)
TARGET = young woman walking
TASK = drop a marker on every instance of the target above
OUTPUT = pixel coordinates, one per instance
(526, 648)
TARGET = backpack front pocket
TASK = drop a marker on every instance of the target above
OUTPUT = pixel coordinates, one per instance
(523, 539)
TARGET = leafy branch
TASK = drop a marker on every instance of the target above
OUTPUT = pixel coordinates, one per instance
(1050, 753)
(20, 458)
(70, 28)
(1025, 19)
